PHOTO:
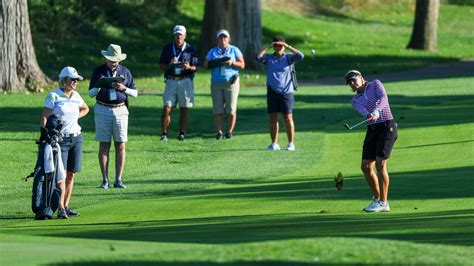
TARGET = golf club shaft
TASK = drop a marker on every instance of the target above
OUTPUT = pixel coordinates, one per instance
(360, 123)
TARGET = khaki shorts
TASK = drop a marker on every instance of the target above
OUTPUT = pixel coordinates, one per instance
(111, 122)
(224, 97)
(179, 91)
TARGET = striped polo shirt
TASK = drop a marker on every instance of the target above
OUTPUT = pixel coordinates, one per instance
(373, 97)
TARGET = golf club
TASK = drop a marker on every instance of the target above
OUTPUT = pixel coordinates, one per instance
(358, 124)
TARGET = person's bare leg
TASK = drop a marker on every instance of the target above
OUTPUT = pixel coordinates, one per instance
(62, 186)
(273, 126)
(218, 122)
(231, 119)
(119, 159)
(104, 149)
(166, 119)
(381, 166)
(367, 167)
(68, 187)
(290, 127)
(183, 119)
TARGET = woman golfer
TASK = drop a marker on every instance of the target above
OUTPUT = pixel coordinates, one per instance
(371, 101)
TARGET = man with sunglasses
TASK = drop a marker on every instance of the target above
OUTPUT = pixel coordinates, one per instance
(111, 110)
(66, 102)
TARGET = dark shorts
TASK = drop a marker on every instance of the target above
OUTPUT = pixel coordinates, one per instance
(279, 103)
(379, 140)
(71, 153)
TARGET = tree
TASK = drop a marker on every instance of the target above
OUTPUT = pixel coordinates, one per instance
(243, 21)
(19, 69)
(424, 35)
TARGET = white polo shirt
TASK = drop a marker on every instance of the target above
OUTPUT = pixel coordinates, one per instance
(67, 108)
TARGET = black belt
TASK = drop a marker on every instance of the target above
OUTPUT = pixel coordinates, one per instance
(111, 105)
(382, 124)
(177, 78)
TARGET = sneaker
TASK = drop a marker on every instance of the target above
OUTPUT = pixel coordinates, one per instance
(119, 184)
(62, 214)
(380, 206)
(70, 212)
(105, 184)
(181, 136)
(228, 135)
(371, 205)
(273, 147)
(290, 147)
(219, 135)
(164, 137)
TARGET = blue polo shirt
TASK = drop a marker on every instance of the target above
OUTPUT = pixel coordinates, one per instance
(185, 54)
(224, 73)
(104, 71)
(278, 71)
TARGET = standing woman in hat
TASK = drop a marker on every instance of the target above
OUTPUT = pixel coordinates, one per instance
(111, 111)
(224, 60)
(66, 102)
(371, 102)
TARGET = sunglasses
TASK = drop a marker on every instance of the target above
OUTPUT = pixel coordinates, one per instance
(71, 79)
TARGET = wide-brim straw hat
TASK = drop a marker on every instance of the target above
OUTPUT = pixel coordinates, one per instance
(114, 53)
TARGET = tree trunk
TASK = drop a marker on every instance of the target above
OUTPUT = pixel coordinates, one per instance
(19, 69)
(424, 35)
(242, 18)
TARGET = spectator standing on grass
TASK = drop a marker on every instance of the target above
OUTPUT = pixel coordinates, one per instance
(111, 111)
(225, 82)
(66, 102)
(179, 62)
(371, 101)
(280, 88)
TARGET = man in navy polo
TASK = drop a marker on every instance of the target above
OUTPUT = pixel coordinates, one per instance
(111, 111)
(178, 61)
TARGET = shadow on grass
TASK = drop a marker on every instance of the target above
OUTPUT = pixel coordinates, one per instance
(443, 227)
(439, 227)
(410, 112)
(197, 263)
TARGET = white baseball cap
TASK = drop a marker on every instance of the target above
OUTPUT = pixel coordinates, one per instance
(70, 72)
(179, 29)
(222, 32)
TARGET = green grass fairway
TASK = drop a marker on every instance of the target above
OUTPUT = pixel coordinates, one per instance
(231, 202)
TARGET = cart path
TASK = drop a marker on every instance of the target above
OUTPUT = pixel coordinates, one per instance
(463, 68)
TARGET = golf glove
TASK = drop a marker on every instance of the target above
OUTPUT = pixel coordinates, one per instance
(375, 114)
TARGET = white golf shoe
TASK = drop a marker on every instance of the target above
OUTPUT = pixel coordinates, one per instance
(380, 206)
(273, 147)
(290, 147)
(371, 205)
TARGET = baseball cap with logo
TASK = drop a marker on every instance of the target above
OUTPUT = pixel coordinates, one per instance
(179, 29)
(70, 72)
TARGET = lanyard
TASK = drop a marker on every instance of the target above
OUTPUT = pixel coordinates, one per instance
(177, 55)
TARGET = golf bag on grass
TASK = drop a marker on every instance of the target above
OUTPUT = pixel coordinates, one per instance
(45, 193)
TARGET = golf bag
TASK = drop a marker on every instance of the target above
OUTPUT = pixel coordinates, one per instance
(293, 74)
(45, 194)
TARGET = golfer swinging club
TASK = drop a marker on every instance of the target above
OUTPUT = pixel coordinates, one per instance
(371, 101)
